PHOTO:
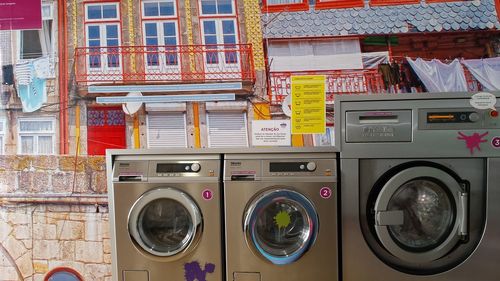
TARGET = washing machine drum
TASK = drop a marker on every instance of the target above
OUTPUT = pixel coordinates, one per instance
(420, 215)
(165, 222)
(281, 225)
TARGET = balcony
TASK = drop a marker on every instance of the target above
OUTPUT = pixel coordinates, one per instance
(164, 64)
(337, 82)
(364, 81)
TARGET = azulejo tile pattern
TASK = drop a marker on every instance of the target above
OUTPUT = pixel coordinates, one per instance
(423, 17)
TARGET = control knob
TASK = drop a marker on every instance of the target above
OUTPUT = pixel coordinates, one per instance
(311, 166)
(195, 167)
(474, 117)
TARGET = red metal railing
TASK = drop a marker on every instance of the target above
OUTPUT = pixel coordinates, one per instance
(337, 82)
(163, 64)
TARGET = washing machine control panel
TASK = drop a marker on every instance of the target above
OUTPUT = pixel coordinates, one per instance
(317, 167)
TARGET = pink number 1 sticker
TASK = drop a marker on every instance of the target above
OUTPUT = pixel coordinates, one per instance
(207, 194)
(325, 192)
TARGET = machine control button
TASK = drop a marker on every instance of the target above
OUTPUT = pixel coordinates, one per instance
(302, 166)
(494, 114)
(187, 168)
(311, 166)
(195, 167)
(474, 117)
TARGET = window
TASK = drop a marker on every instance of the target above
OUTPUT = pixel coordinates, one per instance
(220, 32)
(103, 35)
(227, 129)
(63, 274)
(329, 4)
(217, 7)
(270, 6)
(167, 129)
(315, 55)
(2, 136)
(38, 43)
(154, 9)
(160, 33)
(36, 136)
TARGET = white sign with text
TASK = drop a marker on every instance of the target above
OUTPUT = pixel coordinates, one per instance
(271, 133)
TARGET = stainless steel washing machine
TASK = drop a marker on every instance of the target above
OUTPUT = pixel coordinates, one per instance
(281, 216)
(420, 188)
(166, 218)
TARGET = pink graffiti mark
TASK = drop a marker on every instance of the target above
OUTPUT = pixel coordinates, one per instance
(473, 141)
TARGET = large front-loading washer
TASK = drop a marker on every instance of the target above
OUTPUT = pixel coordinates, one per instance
(420, 188)
(166, 218)
(281, 216)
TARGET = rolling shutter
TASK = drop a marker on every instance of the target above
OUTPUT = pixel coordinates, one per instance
(167, 129)
(227, 129)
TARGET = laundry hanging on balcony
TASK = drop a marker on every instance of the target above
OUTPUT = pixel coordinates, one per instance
(486, 71)
(30, 88)
(440, 77)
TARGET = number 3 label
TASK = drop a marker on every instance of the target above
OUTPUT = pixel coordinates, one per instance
(325, 192)
(495, 142)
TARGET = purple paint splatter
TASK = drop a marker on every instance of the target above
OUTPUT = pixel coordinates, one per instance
(193, 271)
(473, 141)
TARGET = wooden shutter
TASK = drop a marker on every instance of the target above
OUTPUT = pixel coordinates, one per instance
(227, 129)
(167, 129)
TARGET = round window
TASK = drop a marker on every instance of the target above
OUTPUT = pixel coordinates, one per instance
(63, 274)
(164, 225)
(281, 225)
(428, 215)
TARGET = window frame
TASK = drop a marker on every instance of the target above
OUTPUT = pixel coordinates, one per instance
(159, 17)
(392, 2)
(338, 4)
(234, 12)
(62, 269)
(116, 4)
(294, 7)
(36, 134)
(52, 52)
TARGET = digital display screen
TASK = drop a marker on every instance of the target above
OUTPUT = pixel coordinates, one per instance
(172, 168)
(449, 117)
(287, 167)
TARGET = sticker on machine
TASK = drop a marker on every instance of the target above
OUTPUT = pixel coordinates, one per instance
(495, 142)
(207, 194)
(325, 192)
(473, 142)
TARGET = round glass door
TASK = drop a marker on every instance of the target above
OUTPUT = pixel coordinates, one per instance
(428, 215)
(281, 225)
(164, 222)
(420, 214)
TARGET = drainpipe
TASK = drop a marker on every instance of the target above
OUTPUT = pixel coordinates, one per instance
(63, 74)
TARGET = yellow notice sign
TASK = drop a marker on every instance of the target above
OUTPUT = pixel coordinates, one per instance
(308, 104)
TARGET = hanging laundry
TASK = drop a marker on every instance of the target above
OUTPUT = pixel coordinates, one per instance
(486, 71)
(23, 73)
(440, 77)
(42, 68)
(8, 74)
(34, 94)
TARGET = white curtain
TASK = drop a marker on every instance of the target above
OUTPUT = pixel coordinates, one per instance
(486, 71)
(374, 59)
(440, 77)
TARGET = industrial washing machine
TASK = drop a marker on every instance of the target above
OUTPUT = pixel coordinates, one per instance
(420, 188)
(165, 214)
(281, 216)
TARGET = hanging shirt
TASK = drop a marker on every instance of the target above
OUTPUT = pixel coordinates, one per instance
(34, 94)
(23, 73)
(42, 68)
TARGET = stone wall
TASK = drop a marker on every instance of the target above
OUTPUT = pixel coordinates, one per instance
(53, 214)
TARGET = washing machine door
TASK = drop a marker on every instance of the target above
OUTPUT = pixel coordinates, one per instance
(281, 225)
(165, 222)
(421, 214)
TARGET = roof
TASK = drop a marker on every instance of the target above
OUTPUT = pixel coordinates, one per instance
(423, 17)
